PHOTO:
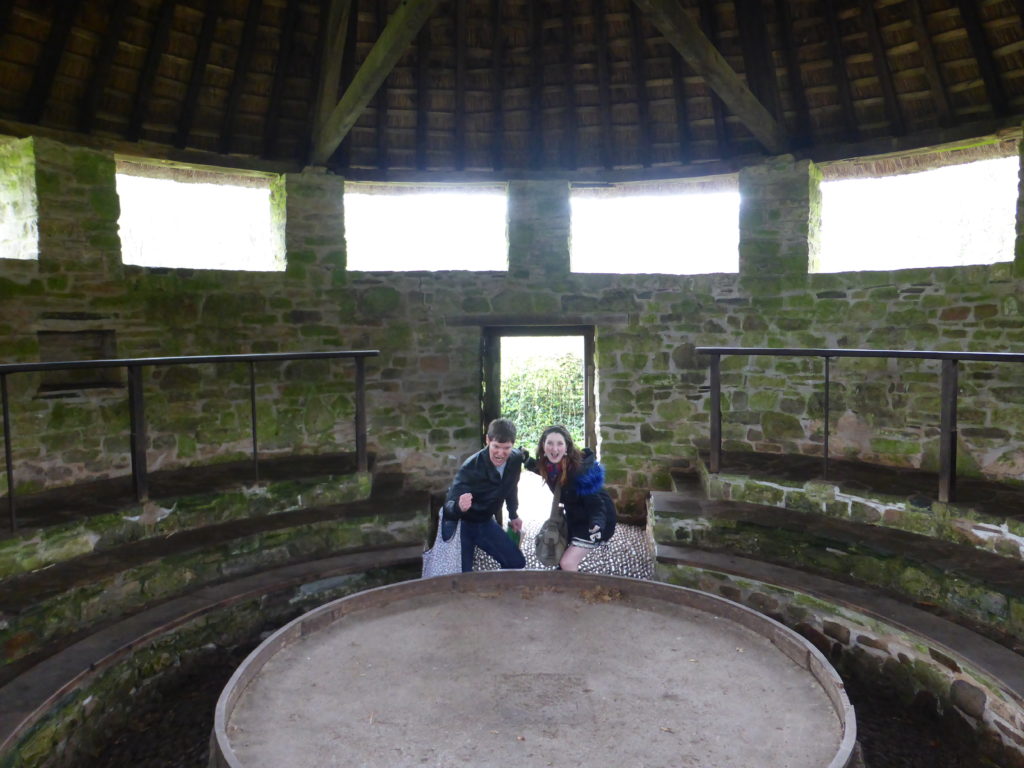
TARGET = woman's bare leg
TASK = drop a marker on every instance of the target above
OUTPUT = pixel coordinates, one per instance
(572, 557)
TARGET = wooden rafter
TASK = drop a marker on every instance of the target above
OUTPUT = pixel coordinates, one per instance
(342, 156)
(569, 85)
(498, 92)
(195, 80)
(104, 62)
(709, 26)
(535, 18)
(686, 37)
(252, 20)
(931, 65)
(983, 55)
(332, 48)
(796, 83)
(381, 97)
(42, 81)
(6, 7)
(682, 113)
(284, 56)
(460, 84)
(881, 60)
(841, 75)
(604, 82)
(640, 86)
(422, 96)
(155, 50)
(403, 27)
(757, 56)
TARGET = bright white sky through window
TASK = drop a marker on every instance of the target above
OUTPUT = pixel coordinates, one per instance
(426, 230)
(167, 223)
(676, 234)
(947, 217)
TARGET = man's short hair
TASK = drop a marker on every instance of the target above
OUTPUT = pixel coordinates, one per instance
(501, 431)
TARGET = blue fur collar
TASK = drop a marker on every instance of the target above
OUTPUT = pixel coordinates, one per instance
(591, 480)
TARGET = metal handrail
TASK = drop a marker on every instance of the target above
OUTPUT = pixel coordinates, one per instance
(948, 396)
(137, 407)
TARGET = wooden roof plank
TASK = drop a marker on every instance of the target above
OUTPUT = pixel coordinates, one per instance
(685, 35)
(640, 84)
(284, 56)
(460, 84)
(342, 155)
(498, 89)
(604, 87)
(46, 70)
(983, 55)
(195, 80)
(842, 76)
(930, 63)
(157, 44)
(242, 62)
(569, 85)
(881, 62)
(422, 97)
(405, 23)
(709, 25)
(796, 85)
(104, 62)
(535, 20)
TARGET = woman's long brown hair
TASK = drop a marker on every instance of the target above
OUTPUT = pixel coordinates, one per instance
(569, 463)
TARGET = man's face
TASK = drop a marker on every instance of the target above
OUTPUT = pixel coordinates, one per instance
(498, 452)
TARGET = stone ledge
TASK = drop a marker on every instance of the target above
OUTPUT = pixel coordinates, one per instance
(986, 514)
(63, 702)
(37, 610)
(984, 589)
(922, 657)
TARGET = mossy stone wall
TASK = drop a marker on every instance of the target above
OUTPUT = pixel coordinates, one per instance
(424, 389)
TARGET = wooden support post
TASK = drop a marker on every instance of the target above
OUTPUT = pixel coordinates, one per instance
(137, 411)
(716, 414)
(362, 460)
(947, 431)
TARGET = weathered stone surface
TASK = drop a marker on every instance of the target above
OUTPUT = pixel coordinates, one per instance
(969, 698)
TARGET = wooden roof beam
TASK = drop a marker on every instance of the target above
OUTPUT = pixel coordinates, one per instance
(195, 80)
(332, 49)
(284, 58)
(157, 43)
(685, 36)
(47, 69)
(936, 84)
(401, 30)
(242, 61)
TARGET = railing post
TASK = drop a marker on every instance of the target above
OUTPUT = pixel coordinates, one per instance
(362, 463)
(716, 414)
(8, 461)
(947, 431)
(828, 388)
(252, 409)
(137, 409)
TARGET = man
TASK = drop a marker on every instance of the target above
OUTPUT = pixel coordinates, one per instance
(485, 480)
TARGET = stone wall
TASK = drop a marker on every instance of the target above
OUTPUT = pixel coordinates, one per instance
(423, 390)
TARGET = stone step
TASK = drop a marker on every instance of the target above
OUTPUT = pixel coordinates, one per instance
(71, 521)
(38, 610)
(979, 587)
(48, 706)
(985, 514)
(926, 661)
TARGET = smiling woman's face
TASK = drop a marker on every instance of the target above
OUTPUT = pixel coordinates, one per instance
(554, 447)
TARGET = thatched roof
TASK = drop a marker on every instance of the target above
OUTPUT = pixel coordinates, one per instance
(583, 89)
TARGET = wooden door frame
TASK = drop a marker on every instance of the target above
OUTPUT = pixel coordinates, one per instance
(490, 370)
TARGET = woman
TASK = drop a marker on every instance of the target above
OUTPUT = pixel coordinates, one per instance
(588, 509)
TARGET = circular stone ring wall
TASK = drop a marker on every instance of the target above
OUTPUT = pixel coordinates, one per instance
(533, 668)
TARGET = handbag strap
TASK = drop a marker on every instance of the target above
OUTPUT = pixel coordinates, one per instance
(556, 499)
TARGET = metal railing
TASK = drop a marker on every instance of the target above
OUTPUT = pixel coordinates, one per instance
(948, 396)
(137, 407)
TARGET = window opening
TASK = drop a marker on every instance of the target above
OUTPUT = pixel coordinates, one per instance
(942, 217)
(197, 219)
(394, 227)
(675, 228)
